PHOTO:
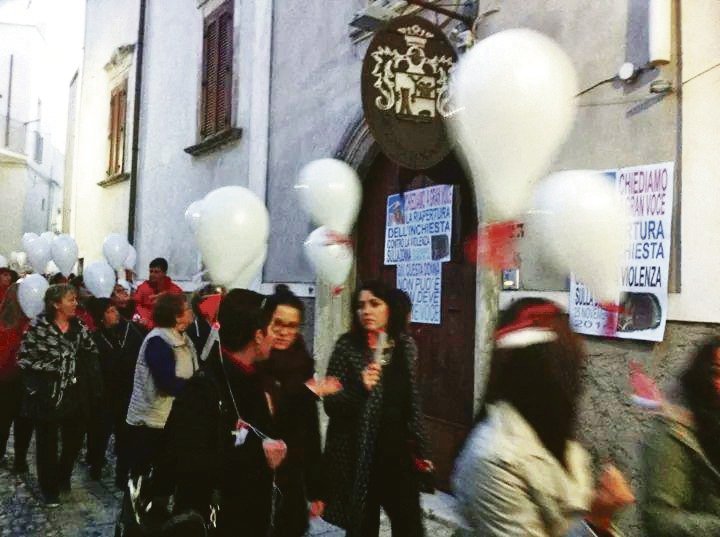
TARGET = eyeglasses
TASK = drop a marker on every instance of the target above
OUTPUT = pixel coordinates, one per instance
(279, 326)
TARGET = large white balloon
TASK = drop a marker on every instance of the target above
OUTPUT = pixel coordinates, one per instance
(27, 238)
(48, 236)
(19, 258)
(583, 222)
(64, 253)
(252, 271)
(514, 93)
(115, 250)
(3, 261)
(193, 214)
(332, 262)
(331, 193)
(99, 278)
(131, 258)
(232, 232)
(31, 294)
(39, 254)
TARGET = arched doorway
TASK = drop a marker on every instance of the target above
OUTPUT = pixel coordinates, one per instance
(446, 351)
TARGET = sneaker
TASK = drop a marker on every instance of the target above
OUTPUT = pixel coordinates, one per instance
(51, 501)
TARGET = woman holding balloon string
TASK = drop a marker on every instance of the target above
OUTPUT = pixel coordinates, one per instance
(13, 325)
(375, 439)
(60, 370)
(290, 369)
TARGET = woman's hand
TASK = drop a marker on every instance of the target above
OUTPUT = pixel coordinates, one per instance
(612, 493)
(275, 451)
(371, 375)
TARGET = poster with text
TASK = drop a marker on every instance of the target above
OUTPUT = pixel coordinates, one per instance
(419, 225)
(418, 235)
(644, 274)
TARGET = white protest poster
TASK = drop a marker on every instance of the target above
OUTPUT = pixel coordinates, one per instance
(648, 191)
(418, 234)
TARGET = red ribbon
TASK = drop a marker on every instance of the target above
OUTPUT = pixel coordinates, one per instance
(611, 320)
(333, 237)
(535, 316)
(494, 245)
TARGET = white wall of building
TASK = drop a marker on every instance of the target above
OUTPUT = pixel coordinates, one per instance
(98, 211)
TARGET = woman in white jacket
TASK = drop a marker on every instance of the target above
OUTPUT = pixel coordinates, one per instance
(521, 473)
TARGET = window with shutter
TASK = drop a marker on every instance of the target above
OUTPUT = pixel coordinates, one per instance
(216, 112)
(116, 130)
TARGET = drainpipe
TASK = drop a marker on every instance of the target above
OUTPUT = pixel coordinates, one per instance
(9, 100)
(136, 123)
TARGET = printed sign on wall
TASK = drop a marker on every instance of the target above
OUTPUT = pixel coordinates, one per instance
(648, 191)
(418, 235)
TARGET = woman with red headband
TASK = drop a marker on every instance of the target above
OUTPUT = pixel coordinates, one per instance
(521, 471)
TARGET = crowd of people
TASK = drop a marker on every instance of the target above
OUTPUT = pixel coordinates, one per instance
(213, 405)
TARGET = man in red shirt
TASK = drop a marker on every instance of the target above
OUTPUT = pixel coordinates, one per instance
(157, 283)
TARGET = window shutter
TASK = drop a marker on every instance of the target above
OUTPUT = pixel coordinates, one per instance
(225, 53)
(111, 133)
(122, 113)
(209, 120)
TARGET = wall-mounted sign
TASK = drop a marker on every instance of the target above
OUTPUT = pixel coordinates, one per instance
(405, 78)
(418, 235)
(648, 191)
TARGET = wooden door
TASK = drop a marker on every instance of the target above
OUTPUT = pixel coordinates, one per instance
(446, 351)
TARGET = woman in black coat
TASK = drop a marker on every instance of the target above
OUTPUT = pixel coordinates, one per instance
(375, 439)
(288, 370)
(118, 342)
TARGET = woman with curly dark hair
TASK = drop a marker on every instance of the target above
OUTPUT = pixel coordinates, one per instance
(682, 455)
(375, 437)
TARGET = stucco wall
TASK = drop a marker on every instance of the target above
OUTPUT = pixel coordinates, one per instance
(315, 94)
(12, 185)
(98, 211)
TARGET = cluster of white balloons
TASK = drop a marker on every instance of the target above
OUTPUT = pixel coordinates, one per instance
(331, 193)
(514, 96)
(231, 227)
(100, 276)
(48, 253)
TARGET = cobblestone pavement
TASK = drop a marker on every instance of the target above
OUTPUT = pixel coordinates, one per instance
(90, 509)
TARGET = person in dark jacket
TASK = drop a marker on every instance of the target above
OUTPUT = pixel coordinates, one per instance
(13, 325)
(118, 342)
(682, 455)
(222, 432)
(122, 300)
(375, 437)
(290, 368)
(60, 370)
(199, 330)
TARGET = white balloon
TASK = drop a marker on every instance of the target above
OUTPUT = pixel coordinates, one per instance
(131, 258)
(583, 223)
(514, 93)
(232, 232)
(27, 238)
(48, 236)
(248, 276)
(115, 250)
(51, 268)
(31, 295)
(64, 253)
(332, 262)
(3, 262)
(39, 254)
(331, 193)
(20, 259)
(193, 214)
(99, 278)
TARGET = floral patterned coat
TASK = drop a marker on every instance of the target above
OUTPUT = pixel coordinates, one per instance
(355, 416)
